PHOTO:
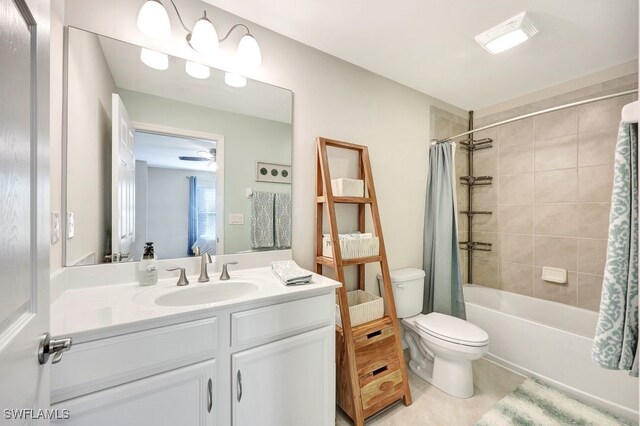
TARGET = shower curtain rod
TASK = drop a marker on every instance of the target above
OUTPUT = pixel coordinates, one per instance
(544, 111)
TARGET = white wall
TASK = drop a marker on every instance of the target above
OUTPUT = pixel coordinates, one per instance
(89, 146)
(246, 140)
(332, 98)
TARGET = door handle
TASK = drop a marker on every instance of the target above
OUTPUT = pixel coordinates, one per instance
(239, 385)
(209, 395)
(55, 347)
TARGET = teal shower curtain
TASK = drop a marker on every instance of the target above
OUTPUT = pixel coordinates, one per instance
(615, 345)
(443, 281)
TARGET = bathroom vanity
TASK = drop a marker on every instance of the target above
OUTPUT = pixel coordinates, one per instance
(259, 353)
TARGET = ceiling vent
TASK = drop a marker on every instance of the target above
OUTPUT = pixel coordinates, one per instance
(508, 34)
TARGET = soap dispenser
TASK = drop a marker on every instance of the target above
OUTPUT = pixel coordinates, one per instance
(148, 268)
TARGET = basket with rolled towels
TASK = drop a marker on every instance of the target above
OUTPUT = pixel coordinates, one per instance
(353, 245)
(290, 273)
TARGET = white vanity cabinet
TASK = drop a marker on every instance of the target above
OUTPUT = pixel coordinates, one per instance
(185, 396)
(263, 363)
(288, 382)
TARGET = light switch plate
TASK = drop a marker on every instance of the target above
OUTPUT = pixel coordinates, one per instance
(236, 219)
(55, 227)
(71, 225)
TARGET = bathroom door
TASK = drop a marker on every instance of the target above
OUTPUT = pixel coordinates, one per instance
(123, 185)
(24, 206)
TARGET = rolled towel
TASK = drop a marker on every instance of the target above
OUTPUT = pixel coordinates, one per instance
(290, 273)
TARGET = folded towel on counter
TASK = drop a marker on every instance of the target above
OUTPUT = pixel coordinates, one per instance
(262, 208)
(290, 273)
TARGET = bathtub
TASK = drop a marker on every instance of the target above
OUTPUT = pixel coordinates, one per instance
(551, 341)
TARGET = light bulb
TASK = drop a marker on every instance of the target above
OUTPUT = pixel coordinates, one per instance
(204, 38)
(197, 70)
(154, 59)
(249, 54)
(235, 80)
(153, 20)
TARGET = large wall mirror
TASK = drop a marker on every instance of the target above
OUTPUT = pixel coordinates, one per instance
(162, 150)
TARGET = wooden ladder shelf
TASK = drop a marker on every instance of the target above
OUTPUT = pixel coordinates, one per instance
(370, 367)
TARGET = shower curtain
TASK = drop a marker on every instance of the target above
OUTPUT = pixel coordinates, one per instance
(443, 281)
(615, 345)
(193, 214)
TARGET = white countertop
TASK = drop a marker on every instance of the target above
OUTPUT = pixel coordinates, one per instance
(98, 312)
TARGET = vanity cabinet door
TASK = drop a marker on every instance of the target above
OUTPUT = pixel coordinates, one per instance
(288, 382)
(185, 396)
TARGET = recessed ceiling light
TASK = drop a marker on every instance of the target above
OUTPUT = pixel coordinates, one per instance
(508, 34)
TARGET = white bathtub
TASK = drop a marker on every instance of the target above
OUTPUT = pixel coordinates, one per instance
(551, 341)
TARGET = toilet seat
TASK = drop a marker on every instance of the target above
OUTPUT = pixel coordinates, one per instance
(452, 329)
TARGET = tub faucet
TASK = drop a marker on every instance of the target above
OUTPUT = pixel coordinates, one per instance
(224, 276)
(204, 275)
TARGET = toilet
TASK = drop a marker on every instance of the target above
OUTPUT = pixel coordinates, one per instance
(441, 347)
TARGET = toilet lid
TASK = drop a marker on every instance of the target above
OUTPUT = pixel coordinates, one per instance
(452, 329)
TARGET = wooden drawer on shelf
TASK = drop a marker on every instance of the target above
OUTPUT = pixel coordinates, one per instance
(375, 348)
(381, 386)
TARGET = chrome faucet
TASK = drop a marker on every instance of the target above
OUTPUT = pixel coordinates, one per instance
(224, 276)
(204, 275)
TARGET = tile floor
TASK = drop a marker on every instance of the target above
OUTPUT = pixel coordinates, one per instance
(433, 407)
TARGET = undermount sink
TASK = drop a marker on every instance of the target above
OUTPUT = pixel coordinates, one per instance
(207, 293)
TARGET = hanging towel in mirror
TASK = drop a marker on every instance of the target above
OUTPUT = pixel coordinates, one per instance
(615, 345)
(262, 210)
(282, 220)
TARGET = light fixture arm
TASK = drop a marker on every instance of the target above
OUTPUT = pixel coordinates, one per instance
(233, 28)
(180, 17)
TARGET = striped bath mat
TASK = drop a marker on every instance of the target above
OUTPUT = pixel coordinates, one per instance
(534, 403)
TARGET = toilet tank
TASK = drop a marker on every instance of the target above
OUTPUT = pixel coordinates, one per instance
(408, 290)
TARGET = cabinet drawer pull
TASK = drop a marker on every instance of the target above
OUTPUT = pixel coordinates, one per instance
(239, 385)
(209, 395)
(379, 370)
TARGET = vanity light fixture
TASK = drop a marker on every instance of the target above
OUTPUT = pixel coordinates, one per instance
(235, 80)
(153, 20)
(197, 70)
(154, 59)
(508, 34)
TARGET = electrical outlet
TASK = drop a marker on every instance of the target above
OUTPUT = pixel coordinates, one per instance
(71, 226)
(55, 227)
(236, 219)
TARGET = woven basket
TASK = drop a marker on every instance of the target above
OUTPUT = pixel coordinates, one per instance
(363, 307)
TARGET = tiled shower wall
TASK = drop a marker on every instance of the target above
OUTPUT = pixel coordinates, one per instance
(550, 196)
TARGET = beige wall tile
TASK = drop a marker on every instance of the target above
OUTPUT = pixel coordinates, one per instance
(603, 114)
(516, 189)
(516, 133)
(486, 195)
(589, 291)
(442, 127)
(556, 220)
(485, 162)
(516, 278)
(492, 238)
(557, 252)
(486, 222)
(556, 153)
(515, 218)
(485, 272)
(593, 220)
(557, 186)
(516, 248)
(515, 159)
(595, 183)
(592, 255)
(555, 124)
(597, 147)
(562, 293)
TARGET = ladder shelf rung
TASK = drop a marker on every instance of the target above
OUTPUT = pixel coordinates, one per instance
(346, 200)
(374, 324)
(329, 261)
